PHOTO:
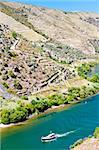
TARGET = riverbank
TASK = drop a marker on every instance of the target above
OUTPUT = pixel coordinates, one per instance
(38, 104)
(35, 116)
(88, 144)
(48, 111)
(91, 143)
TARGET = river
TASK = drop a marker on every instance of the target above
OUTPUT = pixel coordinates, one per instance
(81, 118)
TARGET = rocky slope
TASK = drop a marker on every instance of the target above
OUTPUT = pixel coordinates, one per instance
(38, 47)
(25, 68)
(78, 29)
(88, 144)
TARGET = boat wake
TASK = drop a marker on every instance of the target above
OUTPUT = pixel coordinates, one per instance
(65, 134)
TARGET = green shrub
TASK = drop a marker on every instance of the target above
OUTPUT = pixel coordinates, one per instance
(12, 54)
(17, 85)
(97, 50)
(34, 102)
(14, 34)
(30, 108)
(5, 85)
(24, 97)
(11, 74)
(5, 116)
(96, 133)
(94, 78)
(6, 49)
(12, 91)
(17, 115)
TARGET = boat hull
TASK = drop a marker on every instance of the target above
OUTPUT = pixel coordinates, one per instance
(48, 140)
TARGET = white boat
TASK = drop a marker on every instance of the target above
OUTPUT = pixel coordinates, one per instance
(49, 137)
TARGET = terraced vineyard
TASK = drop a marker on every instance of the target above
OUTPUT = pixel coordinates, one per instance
(40, 50)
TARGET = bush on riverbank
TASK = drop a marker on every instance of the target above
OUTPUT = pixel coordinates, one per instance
(80, 141)
(13, 116)
(5, 116)
(94, 78)
(96, 133)
(84, 69)
(38, 105)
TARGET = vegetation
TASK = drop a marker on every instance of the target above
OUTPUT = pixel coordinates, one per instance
(5, 116)
(12, 54)
(13, 116)
(14, 34)
(84, 69)
(38, 104)
(63, 54)
(97, 50)
(94, 78)
(11, 91)
(6, 49)
(17, 85)
(20, 18)
(5, 77)
(96, 133)
(24, 97)
(76, 143)
(5, 85)
(80, 141)
(11, 74)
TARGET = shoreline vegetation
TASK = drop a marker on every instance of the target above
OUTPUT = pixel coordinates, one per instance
(86, 140)
(35, 116)
(86, 68)
(42, 105)
(48, 111)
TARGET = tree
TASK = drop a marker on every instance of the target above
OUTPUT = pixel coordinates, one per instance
(94, 78)
(42, 105)
(18, 115)
(5, 116)
(30, 108)
(14, 34)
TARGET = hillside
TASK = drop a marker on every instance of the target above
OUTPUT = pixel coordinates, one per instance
(40, 50)
(76, 29)
(26, 32)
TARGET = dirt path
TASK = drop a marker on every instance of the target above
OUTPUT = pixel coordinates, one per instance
(27, 33)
